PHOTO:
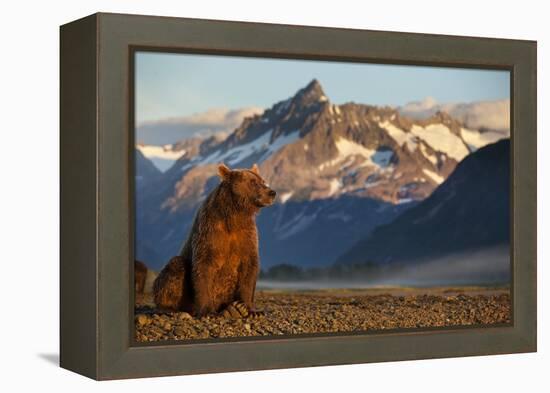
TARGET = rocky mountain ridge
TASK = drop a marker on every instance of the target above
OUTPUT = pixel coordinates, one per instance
(312, 152)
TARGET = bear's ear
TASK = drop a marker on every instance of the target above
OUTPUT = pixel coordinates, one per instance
(223, 171)
(255, 169)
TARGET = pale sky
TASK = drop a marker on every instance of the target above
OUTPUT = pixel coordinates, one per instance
(178, 85)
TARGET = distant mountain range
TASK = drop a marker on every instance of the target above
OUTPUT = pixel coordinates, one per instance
(468, 212)
(340, 171)
(146, 171)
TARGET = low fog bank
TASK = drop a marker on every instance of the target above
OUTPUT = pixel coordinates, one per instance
(488, 266)
(481, 267)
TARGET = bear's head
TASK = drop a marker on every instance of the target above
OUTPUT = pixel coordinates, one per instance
(248, 185)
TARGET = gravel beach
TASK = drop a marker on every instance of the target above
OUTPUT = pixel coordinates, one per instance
(330, 311)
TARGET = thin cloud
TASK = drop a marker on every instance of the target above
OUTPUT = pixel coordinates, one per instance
(494, 115)
(205, 124)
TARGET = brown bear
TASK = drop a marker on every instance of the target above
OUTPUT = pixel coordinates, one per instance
(218, 265)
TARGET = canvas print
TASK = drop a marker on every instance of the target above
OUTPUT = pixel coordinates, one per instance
(285, 197)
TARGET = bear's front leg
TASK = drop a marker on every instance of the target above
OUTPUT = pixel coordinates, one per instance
(243, 305)
(247, 284)
(204, 301)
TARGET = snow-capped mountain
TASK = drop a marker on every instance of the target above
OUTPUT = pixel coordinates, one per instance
(313, 153)
(146, 171)
(468, 212)
(163, 157)
(332, 150)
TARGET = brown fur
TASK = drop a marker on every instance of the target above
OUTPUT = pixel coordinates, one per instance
(140, 276)
(169, 290)
(219, 262)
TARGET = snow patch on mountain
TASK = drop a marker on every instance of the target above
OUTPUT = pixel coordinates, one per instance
(286, 196)
(259, 145)
(163, 157)
(476, 139)
(348, 148)
(239, 153)
(328, 164)
(334, 186)
(377, 158)
(280, 142)
(400, 136)
(349, 151)
(432, 158)
(372, 182)
(434, 176)
(440, 138)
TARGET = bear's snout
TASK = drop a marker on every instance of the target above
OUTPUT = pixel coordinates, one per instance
(266, 197)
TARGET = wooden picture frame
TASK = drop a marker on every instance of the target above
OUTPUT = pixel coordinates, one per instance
(97, 202)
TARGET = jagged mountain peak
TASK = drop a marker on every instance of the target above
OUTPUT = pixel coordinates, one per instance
(307, 99)
(314, 84)
(281, 124)
(311, 94)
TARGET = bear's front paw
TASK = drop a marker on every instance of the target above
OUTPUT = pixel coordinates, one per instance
(255, 313)
(238, 309)
(235, 310)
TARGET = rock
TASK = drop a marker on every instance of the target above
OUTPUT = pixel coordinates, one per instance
(182, 316)
(180, 331)
(142, 320)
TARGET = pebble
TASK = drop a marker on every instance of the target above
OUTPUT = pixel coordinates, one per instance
(142, 320)
(180, 331)
(320, 312)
